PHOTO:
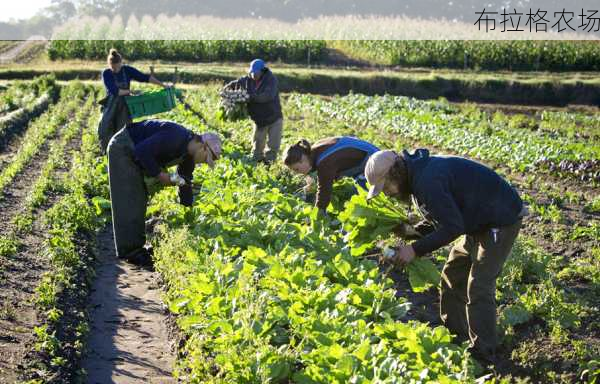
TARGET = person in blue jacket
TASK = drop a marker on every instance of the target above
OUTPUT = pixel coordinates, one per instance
(117, 79)
(264, 108)
(146, 149)
(331, 158)
(457, 197)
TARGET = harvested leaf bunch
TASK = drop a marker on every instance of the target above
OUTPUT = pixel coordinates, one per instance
(233, 104)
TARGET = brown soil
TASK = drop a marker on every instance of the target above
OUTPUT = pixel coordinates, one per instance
(129, 341)
(20, 276)
(31, 53)
(23, 52)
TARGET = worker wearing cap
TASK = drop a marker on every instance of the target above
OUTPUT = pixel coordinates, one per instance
(147, 148)
(458, 197)
(264, 108)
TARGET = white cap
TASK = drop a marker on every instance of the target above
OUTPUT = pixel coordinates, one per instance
(376, 170)
(213, 141)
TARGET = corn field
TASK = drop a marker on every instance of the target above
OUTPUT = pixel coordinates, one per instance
(544, 55)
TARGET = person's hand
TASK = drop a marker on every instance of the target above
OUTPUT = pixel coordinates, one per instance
(404, 255)
(164, 178)
(168, 85)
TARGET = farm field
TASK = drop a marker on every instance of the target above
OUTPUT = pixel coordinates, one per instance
(257, 287)
(241, 39)
(49, 173)
(465, 54)
(486, 55)
(548, 306)
(504, 87)
(544, 73)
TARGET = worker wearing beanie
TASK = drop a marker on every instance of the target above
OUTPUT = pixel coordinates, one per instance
(264, 108)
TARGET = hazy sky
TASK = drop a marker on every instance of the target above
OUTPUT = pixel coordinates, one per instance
(21, 9)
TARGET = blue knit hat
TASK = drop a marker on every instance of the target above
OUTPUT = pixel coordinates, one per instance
(256, 66)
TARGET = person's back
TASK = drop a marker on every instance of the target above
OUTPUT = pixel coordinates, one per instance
(266, 109)
(484, 198)
(141, 130)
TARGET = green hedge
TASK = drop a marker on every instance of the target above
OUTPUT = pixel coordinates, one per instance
(293, 51)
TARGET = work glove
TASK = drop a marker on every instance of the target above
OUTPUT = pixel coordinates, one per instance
(424, 228)
(177, 180)
(414, 232)
(311, 186)
(414, 218)
(406, 231)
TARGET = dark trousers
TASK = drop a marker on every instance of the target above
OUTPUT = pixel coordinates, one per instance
(468, 286)
(127, 195)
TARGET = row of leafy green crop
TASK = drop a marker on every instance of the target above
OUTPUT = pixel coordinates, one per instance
(530, 273)
(6, 45)
(515, 55)
(22, 93)
(38, 133)
(36, 98)
(265, 291)
(571, 124)
(48, 181)
(191, 50)
(448, 127)
(479, 54)
(534, 291)
(62, 292)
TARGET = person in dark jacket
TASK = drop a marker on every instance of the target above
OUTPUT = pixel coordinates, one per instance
(117, 79)
(331, 158)
(264, 108)
(458, 197)
(147, 148)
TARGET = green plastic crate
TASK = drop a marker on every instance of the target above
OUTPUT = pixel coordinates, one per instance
(151, 103)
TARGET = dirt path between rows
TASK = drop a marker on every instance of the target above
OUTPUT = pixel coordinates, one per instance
(128, 340)
(13, 53)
